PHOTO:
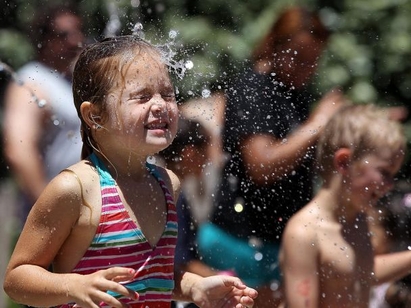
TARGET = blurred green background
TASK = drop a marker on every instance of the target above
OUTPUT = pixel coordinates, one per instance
(368, 56)
(369, 53)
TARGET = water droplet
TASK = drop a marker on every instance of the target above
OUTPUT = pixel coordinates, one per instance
(238, 207)
(172, 34)
(258, 256)
(42, 103)
(205, 93)
(189, 65)
(135, 3)
(138, 30)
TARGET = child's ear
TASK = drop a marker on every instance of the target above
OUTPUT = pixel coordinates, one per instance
(86, 110)
(342, 159)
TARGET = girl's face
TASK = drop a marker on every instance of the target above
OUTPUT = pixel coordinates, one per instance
(143, 113)
(372, 177)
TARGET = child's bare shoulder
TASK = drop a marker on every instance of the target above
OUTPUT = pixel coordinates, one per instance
(304, 224)
(80, 175)
(64, 195)
(75, 183)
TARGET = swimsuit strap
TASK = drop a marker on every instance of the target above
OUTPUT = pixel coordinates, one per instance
(154, 172)
(105, 177)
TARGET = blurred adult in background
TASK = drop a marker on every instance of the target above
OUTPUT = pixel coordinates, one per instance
(269, 135)
(208, 113)
(40, 141)
(188, 156)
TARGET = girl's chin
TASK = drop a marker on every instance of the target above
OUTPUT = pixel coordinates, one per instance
(159, 145)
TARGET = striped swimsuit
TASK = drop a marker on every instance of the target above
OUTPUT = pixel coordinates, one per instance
(119, 242)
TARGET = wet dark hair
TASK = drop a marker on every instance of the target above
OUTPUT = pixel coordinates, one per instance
(100, 67)
(42, 26)
(291, 22)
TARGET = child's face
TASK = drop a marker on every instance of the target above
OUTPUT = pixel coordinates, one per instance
(373, 176)
(143, 113)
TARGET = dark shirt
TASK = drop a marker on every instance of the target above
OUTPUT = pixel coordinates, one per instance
(257, 104)
(186, 248)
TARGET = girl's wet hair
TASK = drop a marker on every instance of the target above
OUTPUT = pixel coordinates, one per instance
(101, 67)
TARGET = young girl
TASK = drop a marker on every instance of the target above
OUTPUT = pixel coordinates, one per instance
(108, 224)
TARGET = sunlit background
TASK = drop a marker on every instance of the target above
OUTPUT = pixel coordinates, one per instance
(368, 55)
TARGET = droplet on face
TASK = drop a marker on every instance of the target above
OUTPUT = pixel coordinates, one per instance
(205, 93)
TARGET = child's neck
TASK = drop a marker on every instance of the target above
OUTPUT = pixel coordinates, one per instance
(338, 203)
(125, 168)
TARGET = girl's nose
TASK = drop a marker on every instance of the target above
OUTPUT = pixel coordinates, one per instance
(159, 105)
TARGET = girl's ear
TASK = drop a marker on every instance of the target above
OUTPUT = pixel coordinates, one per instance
(86, 111)
(342, 158)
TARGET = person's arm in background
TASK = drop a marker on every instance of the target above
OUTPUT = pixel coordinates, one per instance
(23, 125)
(267, 159)
(214, 291)
(392, 266)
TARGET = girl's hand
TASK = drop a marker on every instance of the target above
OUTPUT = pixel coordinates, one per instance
(222, 291)
(89, 291)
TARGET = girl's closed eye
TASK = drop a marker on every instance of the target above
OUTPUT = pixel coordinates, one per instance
(169, 96)
(139, 97)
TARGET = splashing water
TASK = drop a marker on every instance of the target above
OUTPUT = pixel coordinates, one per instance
(178, 67)
(138, 30)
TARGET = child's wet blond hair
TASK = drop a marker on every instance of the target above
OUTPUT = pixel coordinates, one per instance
(364, 129)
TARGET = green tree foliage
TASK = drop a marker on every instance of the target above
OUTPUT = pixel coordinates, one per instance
(368, 54)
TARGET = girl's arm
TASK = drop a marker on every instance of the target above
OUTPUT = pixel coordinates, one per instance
(50, 226)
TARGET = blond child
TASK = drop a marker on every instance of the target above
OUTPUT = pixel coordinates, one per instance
(107, 225)
(327, 257)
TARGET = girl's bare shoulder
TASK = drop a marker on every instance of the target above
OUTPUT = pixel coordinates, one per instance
(80, 175)
(73, 185)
